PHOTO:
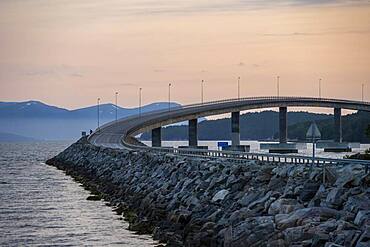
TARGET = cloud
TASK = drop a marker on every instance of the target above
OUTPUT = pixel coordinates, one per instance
(47, 71)
(317, 33)
(116, 85)
(159, 70)
(115, 9)
(127, 84)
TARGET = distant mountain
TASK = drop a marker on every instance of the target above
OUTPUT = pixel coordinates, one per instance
(41, 121)
(34, 109)
(8, 137)
(37, 109)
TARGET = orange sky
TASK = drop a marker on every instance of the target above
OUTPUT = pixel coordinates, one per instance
(68, 53)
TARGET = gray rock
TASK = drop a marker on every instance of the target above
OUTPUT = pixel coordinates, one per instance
(239, 215)
(220, 196)
(299, 215)
(330, 244)
(249, 197)
(309, 191)
(357, 202)
(296, 234)
(346, 176)
(362, 218)
(260, 201)
(334, 197)
(253, 231)
(364, 240)
(276, 243)
(284, 206)
(319, 197)
(347, 237)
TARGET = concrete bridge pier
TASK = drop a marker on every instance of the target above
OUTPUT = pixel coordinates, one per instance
(283, 124)
(283, 146)
(338, 125)
(235, 134)
(157, 137)
(193, 133)
(338, 145)
(235, 129)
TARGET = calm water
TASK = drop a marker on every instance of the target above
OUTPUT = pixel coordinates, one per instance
(40, 205)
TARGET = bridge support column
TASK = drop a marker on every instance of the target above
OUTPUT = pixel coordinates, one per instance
(193, 133)
(283, 124)
(157, 137)
(337, 124)
(235, 129)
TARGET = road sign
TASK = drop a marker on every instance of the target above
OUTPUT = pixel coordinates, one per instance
(313, 132)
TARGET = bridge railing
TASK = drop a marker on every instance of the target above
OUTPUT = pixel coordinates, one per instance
(242, 157)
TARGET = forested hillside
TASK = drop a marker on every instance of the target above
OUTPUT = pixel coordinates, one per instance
(264, 125)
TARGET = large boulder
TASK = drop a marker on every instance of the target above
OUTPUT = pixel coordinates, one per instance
(357, 202)
(309, 190)
(254, 231)
(295, 218)
(364, 240)
(362, 218)
(284, 206)
(334, 198)
(220, 195)
(249, 197)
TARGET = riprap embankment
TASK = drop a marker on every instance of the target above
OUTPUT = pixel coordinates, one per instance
(202, 202)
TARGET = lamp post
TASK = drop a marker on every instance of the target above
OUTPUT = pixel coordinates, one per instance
(320, 88)
(278, 85)
(140, 89)
(201, 91)
(239, 87)
(169, 96)
(98, 113)
(362, 92)
(116, 94)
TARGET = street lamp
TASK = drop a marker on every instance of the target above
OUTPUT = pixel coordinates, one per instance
(201, 91)
(362, 92)
(116, 94)
(98, 113)
(320, 88)
(169, 96)
(239, 87)
(140, 89)
(278, 85)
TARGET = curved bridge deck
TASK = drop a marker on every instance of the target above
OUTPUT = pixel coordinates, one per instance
(120, 134)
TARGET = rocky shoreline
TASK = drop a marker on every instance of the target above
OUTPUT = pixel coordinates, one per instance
(200, 202)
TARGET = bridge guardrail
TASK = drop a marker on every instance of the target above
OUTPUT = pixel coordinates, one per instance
(248, 156)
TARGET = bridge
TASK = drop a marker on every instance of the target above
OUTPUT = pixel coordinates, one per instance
(121, 133)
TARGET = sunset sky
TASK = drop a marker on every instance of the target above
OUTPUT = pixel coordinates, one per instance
(69, 52)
